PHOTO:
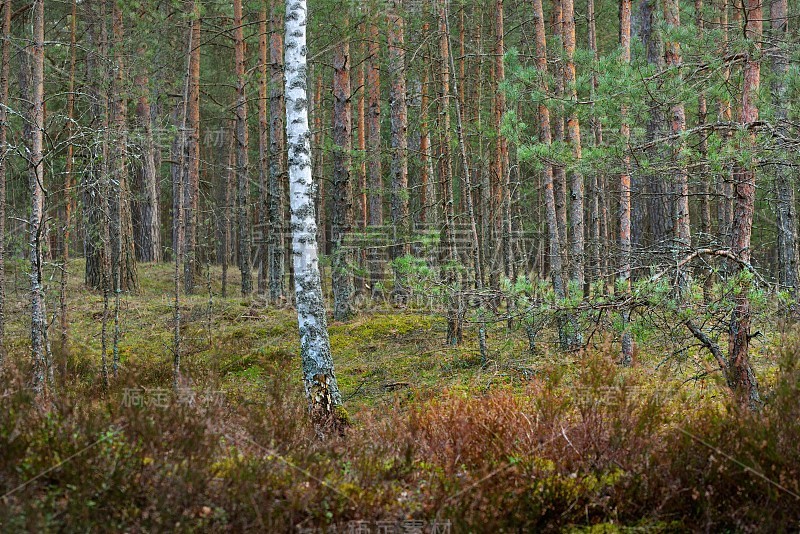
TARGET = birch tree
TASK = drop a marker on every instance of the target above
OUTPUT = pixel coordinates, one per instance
(317, 363)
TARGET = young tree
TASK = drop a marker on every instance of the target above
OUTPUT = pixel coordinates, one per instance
(4, 74)
(318, 372)
(277, 159)
(625, 186)
(191, 187)
(501, 162)
(242, 178)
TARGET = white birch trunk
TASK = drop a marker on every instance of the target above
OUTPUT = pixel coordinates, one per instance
(318, 374)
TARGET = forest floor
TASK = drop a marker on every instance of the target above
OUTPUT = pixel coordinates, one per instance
(438, 438)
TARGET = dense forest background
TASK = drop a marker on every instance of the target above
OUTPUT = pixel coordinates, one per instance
(536, 187)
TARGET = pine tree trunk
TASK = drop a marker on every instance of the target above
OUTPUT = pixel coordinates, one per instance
(785, 183)
(341, 195)
(672, 53)
(318, 372)
(123, 243)
(277, 161)
(625, 188)
(361, 196)
(596, 179)
(501, 157)
(95, 183)
(577, 230)
(149, 248)
(555, 250)
(426, 190)
(557, 123)
(318, 142)
(702, 117)
(375, 176)
(4, 76)
(262, 213)
(227, 233)
(242, 177)
(654, 208)
(449, 250)
(67, 195)
(725, 113)
(740, 373)
(37, 219)
(399, 142)
(191, 189)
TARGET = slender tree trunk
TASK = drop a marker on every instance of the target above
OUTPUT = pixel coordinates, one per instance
(596, 178)
(318, 142)
(475, 242)
(375, 176)
(625, 188)
(574, 140)
(37, 220)
(555, 256)
(242, 178)
(264, 228)
(557, 122)
(341, 195)
(455, 312)
(361, 197)
(785, 184)
(123, 250)
(191, 189)
(318, 372)
(672, 54)
(277, 161)
(501, 156)
(68, 186)
(725, 206)
(399, 141)
(740, 374)
(227, 234)
(426, 193)
(178, 223)
(4, 151)
(178, 152)
(702, 116)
